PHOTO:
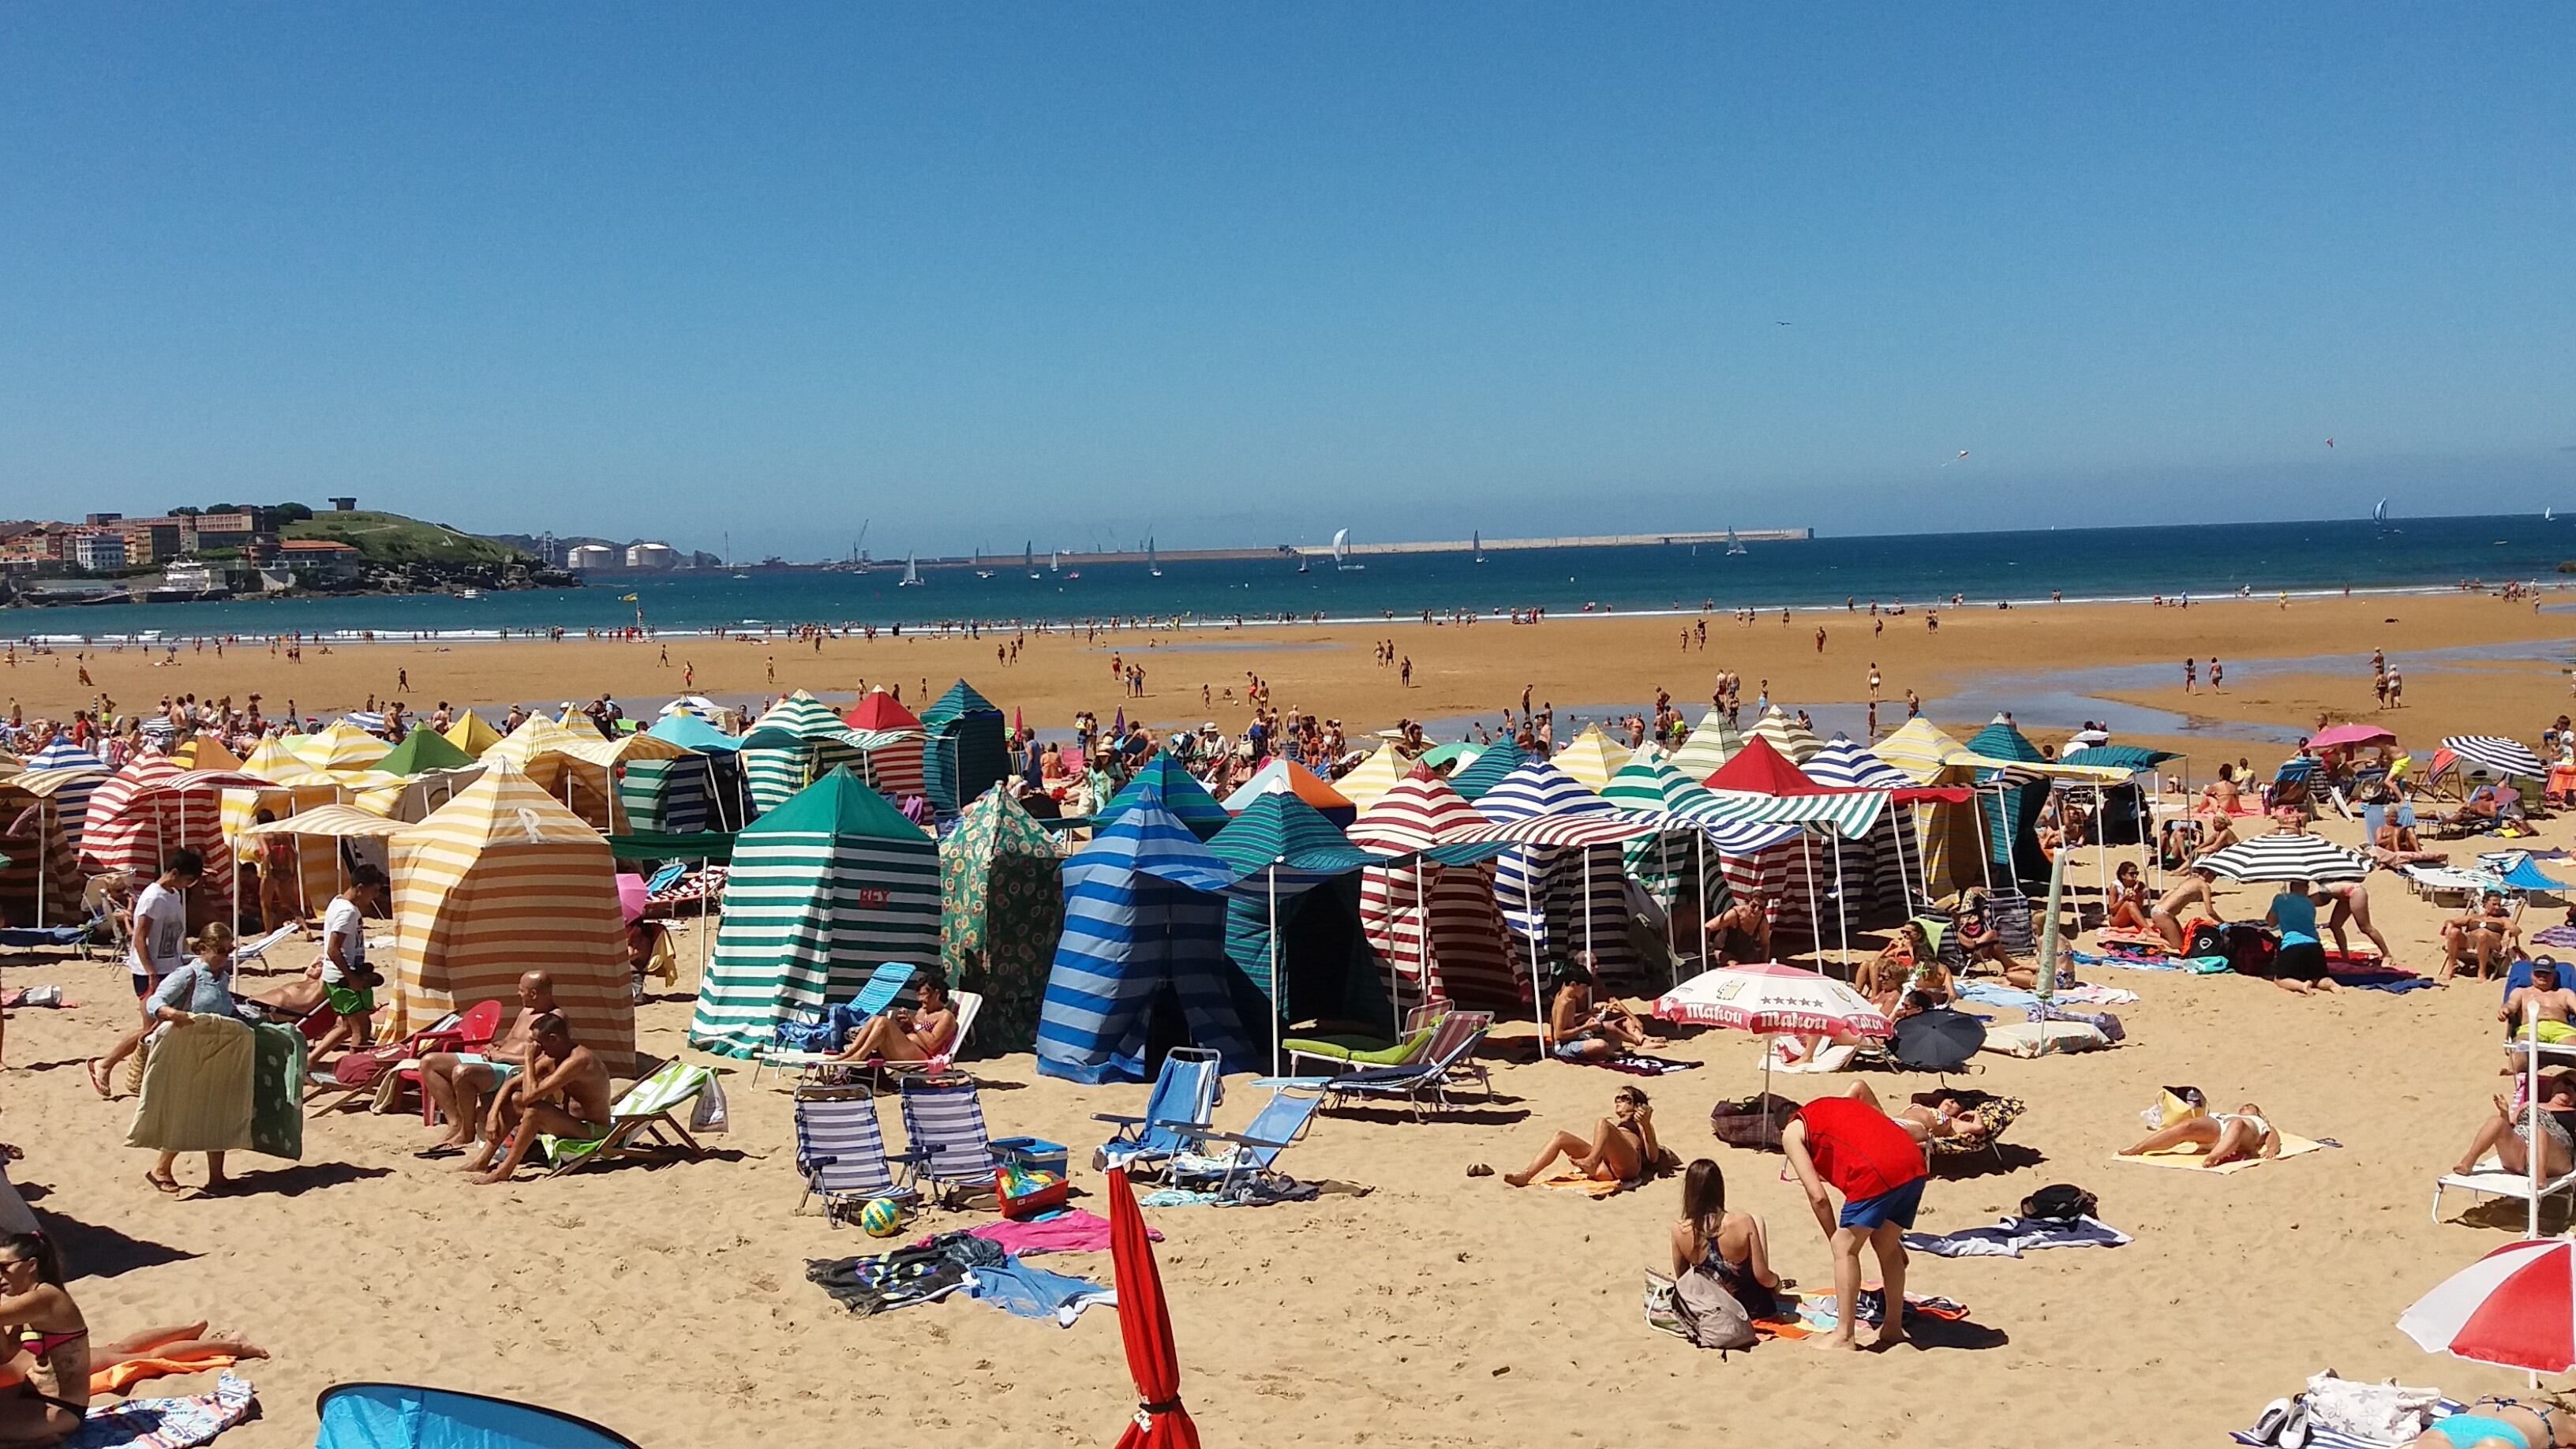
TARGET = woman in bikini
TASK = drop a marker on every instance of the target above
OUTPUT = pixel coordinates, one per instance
(2130, 904)
(1944, 1116)
(1730, 1247)
(50, 1342)
(1622, 1149)
(2228, 1136)
(2496, 1423)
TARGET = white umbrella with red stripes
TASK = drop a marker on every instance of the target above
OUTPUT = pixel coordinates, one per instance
(2515, 1307)
(1769, 996)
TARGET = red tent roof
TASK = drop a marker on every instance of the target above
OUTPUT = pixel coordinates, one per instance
(1762, 770)
(878, 711)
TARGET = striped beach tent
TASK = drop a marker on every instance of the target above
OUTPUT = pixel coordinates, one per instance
(1297, 780)
(1144, 936)
(1710, 745)
(141, 814)
(1787, 735)
(65, 776)
(1001, 908)
(1877, 870)
(1591, 758)
(2012, 824)
(472, 733)
(205, 752)
(683, 796)
(693, 732)
(1762, 785)
(340, 746)
(823, 889)
(889, 738)
(1297, 867)
(796, 741)
(1488, 769)
(1175, 790)
(1649, 786)
(964, 749)
(1561, 899)
(2496, 755)
(1373, 777)
(40, 877)
(1432, 917)
(61, 754)
(499, 881)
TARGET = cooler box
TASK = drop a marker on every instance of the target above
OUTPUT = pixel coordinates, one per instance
(1035, 1154)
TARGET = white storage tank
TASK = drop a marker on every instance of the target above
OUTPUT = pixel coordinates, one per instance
(591, 556)
(651, 556)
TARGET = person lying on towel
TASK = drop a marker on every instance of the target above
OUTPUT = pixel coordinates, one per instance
(2228, 1136)
(2545, 1008)
(927, 1031)
(2494, 1423)
(563, 1093)
(1945, 1116)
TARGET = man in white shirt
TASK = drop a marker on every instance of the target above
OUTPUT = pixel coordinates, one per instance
(156, 945)
(347, 982)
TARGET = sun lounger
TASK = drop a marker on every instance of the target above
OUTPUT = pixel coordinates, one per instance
(874, 999)
(841, 1150)
(468, 1031)
(1252, 1154)
(28, 938)
(640, 1124)
(969, 1005)
(944, 1138)
(2435, 881)
(1421, 1046)
(1186, 1090)
(2489, 1177)
(250, 951)
(1424, 1081)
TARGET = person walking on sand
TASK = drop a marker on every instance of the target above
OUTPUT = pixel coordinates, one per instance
(1856, 1150)
(1820, 641)
(156, 944)
(2217, 672)
(2190, 674)
(1873, 679)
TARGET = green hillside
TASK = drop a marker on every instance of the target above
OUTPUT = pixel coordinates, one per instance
(390, 538)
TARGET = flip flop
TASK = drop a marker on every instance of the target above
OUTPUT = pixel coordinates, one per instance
(168, 1186)
(443, 1149)
(98, 1080)
(1478, 1169)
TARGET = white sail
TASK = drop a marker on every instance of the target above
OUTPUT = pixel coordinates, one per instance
(911, 574)
(1480, 545)
(1151, 566)
(1733, 544)
(2380, 514)
(1341, 545)
(1055, 559)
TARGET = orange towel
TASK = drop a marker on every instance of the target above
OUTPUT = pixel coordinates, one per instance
(110, 1383)
(1576, 1182)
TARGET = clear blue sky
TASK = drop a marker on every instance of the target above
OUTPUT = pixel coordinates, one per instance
(1241, 274)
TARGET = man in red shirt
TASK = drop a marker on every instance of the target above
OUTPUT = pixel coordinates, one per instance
(1874, 1163)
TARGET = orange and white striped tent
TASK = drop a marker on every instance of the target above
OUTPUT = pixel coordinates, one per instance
(502, 880)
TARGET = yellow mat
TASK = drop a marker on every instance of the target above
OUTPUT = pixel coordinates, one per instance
(2189, 1158)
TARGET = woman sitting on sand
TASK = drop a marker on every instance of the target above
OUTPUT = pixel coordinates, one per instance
(38, 1315)
(180, 1343)
(1730, 1247)
(2396, 845)
(2228, 1136)
(1578, 1031)
(2495, 1423)
(2130, 903)
(1623, 1147)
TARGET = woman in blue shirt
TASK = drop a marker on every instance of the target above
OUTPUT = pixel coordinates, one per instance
(2300, 965)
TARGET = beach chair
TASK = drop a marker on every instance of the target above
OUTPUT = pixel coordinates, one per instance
(840, 1149)
(1424, 1081)
(1428, 1039)
(1252, 1154)
(466, 1031)
(250, 951)
(640, 1124)
(944, 1138)
(1998, 1113)
(1186, 1091)
(883, 985)
(2489, 1178)
(969, 1004)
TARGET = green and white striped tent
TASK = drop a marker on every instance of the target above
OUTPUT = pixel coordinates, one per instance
(1649, 785)
(964, 753)
(797, 741)
(822, 890)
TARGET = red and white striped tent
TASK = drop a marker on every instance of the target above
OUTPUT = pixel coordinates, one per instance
(153, 808)
(1437, 927)
(889, 739)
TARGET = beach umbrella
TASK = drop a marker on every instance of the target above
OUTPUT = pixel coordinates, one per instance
(1766, 997)
(633, 894)
(2287, 855)
(1463, 753)
(2515, 1307)
(2496, 753)
(1939, 1040)
(1145, 1326)
(2347, 736)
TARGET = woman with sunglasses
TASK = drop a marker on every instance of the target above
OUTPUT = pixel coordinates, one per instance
(47, 1340)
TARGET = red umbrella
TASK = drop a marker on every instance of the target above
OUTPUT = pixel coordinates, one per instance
(2515, 1307)
(1145, 1322)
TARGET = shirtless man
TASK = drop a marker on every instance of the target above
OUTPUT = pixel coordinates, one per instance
(2486, 933)
(1581, 1032)
(2545, 1008)
(457, 1082)
(2219, 798)
(909, 1036)
(2190, 888)
(1741, 932)
(563, 1093)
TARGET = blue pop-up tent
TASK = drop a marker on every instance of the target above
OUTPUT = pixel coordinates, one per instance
(406, 1416)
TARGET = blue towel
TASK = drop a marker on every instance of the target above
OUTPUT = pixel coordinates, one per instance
(2011, 1237)
(1026, 1292)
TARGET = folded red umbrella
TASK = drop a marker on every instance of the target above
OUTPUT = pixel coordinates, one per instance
(1145, 1322)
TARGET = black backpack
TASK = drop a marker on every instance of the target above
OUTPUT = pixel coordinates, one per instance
(2061, 1200)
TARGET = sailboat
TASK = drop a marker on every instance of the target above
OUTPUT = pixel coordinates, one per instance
(1055, 559)
(1480, 545)
(1342, 552)
(911, 574)
(1734, 545)
(2379, 515)
(981, 572)
(2549, 514)
(1151, 567)
(1302, 562)
(1029, 558)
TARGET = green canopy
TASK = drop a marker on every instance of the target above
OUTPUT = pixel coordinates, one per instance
(1001, 908)
(1283, 847)
(823, 889)
(653, 845)
(963, 750)
(1499, 760)
(1455, 749)
(423, 750)
(1185, 797)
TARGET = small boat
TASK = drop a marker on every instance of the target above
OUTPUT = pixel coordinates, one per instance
(911, 574)
(1029, 558)
(742, 576)
(1055, 559)
(1342, 552)
(2549, 515)
(1302, 562)
(983, 573)
(1734, 545)
(469, 593)
(1151, 567)
(1077, 573)
(2380, 513)
(1480, 544)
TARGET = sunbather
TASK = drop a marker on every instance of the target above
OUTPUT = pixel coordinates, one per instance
(1579, 1031)
(2486, 934)
(2189, 889)
(457, 1083)
(1741, 932)
(1979, 941)
(909, 1036)
(38, 1315)
(1730, 1247)
(1943, 1116)
(563, 1093)
(2545, 1008)
(2495, 1423)
(1622, 1147)
(182, 1342)
(2219, 798)
(1875, 1164)
(2480, 811)
(2130, 905)
(2228, 1136)
(2503, 1131)
(2351, 905)
(2396, 845)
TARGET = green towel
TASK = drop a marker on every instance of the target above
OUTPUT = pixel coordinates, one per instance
(277, 1092)
(1365, 1050)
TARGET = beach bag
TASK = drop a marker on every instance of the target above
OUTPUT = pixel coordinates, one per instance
(1697, 1307)
(2208, 938)
(1752, 1121)
(2383, 1413)
(2250, 949)
(2061, 1200)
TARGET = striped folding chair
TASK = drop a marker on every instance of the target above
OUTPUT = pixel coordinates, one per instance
(841, 1151)
(945, 1144)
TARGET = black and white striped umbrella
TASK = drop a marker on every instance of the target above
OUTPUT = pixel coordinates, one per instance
(2496, 753)
(2286, 855)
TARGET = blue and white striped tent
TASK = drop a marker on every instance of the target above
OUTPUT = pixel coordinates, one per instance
(1144, 915)
(822, 890)
(1877, 870)
(1545, 890)
(66, 777)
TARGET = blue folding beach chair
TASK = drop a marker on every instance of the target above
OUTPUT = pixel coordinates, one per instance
(841, 1151)
(884, 985)
(1186, 1091)
(944, 1139)
(1217, 1160)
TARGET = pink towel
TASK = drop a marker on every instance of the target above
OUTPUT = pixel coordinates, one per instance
(1071, 1231)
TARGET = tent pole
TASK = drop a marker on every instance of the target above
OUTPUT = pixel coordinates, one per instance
(1702, 837)
(702, 918)
(1421, 944)
(44, 859)
(1592, 957)
(1842, 904)
(1278, 992)
(1985, 836)
(1815, 911)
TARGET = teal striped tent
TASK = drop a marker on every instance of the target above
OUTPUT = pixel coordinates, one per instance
(964, 753)
(823, 889)
(1293, 861)
(796, 742)
(1188, 800)
(1488, 770)
(684, 796)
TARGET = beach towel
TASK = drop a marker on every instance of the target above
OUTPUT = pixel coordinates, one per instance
(2011, 1237)
(2148, 942)
(112, 1382)
(1638, 1064)
(167, 1423)
(277, 1092)
(197, 1088)
(2189, 1158)
(1591, 1187)
(2393, 982)
(1026, 1292)
(2320, 1437)
(1072, 1230)
(1991, 993)
(1251, 1192)
(1803, 1315)
(2563, 937)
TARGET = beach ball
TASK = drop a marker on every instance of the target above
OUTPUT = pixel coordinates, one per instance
(881, 1218)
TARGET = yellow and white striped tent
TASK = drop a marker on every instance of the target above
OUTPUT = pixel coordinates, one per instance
(1709, 746)
(1788, 736)
(204, 752)
(1591, 758)
(1374, 776)
(502, 880)
(533, 738)
(340, 746)
(472, 733)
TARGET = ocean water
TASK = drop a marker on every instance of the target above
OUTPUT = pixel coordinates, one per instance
(1917, 569)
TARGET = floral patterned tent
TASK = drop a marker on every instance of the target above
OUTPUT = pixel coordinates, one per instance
(1001, 903)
